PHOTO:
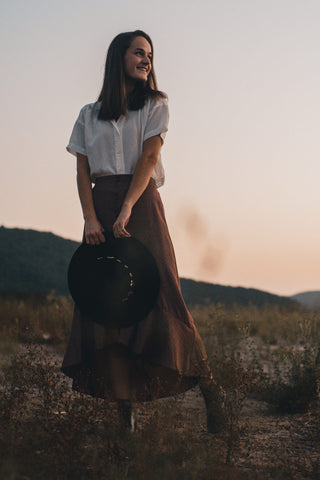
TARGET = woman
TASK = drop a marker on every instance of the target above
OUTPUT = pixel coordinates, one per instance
(117, 142)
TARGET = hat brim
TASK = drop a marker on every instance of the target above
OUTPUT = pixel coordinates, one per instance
(115, 283)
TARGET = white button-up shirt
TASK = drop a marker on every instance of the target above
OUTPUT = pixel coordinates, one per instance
(114, 147)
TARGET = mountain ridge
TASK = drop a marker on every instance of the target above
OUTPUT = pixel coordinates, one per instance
(309, 299)
(33, 261)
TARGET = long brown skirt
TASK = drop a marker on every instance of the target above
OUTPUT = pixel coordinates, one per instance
(165, 348)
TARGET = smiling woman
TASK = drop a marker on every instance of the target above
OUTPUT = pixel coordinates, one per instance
(137, 61)
(117, 141)
(129, 76)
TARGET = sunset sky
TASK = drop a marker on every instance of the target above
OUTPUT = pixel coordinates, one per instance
(241, 156)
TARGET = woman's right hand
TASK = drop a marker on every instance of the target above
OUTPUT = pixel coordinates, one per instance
(93, 232)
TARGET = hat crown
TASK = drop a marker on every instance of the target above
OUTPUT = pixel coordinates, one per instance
(115, 283)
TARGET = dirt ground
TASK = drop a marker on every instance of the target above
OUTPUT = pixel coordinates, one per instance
(265, 438)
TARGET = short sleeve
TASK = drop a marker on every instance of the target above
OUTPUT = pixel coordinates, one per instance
(77, 140)
(158, 119)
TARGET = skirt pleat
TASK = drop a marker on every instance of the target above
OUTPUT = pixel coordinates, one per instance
(165, 349)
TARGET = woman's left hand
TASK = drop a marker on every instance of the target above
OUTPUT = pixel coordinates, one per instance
(119, 225)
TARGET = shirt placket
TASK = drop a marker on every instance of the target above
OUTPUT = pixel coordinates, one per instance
(118, 148)
(119, 164)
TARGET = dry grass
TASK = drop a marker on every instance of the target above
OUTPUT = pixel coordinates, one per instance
(258, 356)
(35, 319)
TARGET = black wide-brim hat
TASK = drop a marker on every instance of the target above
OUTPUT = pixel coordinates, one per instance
(115, 283)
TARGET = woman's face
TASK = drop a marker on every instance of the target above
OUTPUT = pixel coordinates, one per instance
(137, 59)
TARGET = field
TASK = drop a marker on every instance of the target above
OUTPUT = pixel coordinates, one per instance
(267, 360)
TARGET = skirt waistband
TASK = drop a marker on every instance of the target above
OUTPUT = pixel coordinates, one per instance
(113, 178)
(117, 179)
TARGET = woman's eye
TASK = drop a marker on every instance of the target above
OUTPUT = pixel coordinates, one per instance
(141, 54)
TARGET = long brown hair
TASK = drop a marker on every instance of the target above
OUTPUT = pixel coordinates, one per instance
(113, 93)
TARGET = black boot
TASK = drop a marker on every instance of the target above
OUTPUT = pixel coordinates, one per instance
(213, 396)
(127, 416)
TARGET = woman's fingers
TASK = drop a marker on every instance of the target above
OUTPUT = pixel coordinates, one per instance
(95, 238)
(119, 226)
(119, 230)
(101, 237)
(94, 233)
(124, 233)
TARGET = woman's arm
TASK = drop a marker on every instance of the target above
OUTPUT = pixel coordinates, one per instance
(92, 227)
(139, 182)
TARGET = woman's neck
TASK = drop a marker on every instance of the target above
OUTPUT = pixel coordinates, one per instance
(130, 84)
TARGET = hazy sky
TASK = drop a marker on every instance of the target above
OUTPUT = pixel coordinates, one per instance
(242, 152)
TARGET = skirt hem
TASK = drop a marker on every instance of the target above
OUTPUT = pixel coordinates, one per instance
(169, 381)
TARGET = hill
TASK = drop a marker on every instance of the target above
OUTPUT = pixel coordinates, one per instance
(205, 293)
(309, 300)
(34, 262)
(37, 262)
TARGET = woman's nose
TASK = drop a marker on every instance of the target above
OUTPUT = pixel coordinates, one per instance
(146, 60)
